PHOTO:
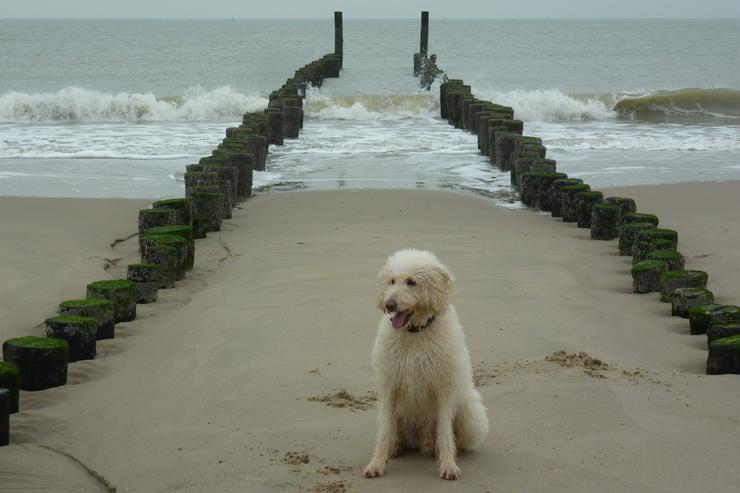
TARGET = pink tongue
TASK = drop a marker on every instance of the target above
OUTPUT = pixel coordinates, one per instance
(398, 320)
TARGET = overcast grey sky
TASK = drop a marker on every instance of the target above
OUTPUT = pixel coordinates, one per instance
(367, 9)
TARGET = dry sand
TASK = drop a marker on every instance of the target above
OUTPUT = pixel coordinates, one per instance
(253, 375)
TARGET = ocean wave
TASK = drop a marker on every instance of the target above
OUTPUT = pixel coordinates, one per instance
(360, 107)
(689, 104)
(88, 154)
(74, 104)
(553, 104)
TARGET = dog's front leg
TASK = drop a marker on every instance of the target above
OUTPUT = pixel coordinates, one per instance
(446, 448)
(386, 441)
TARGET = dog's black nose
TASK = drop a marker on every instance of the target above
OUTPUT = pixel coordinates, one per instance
(391, 305)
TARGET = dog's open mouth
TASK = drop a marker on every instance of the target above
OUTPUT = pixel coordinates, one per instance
(400, 319)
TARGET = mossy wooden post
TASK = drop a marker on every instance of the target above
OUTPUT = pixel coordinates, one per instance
(673, 259)
(183, 207)
(292, 116)
(226, 187)
(640, 217)
(674, 279)
(200, 227)
(627, 234)
(605, 221)
(180, 245)
(556, 202)
(5, 403)
(338, 37)
(121, 292)
(150, 218)
(147, 279)
(257, 145)
(569, 201)
(626, 204)
(275, 125)
(724, 356)
(646, 241)
(718, 331)
(10, 378)
(208, 204)
(165, 256)
(702, 316)
(584, 203)
(646, 276)
(101, 310)
(42, 361)
(536, 186)
(244, 164)
(684, 299)
(79, 332)
(183, 231)
(203, 181)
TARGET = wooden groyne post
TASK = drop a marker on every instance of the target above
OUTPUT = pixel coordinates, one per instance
(338, 37)
(424, 41)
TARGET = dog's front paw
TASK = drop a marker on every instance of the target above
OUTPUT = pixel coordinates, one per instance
(374, 470)
(450, 472)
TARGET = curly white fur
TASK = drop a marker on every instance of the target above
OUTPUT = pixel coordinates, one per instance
(426, 393)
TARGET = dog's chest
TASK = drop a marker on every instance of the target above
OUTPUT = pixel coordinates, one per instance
(416, 372)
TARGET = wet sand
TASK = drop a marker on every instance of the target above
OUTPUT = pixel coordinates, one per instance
(254, 375)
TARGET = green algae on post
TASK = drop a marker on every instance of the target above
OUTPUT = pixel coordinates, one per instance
(724, 356)
(674, 279)
(10, 378)
(605, 221)
(42, 361)
(646, 276)
(684, 299)
(121, 292)
(186, 232)
(674, 259)
(584, 203)
(79, 332)
(102, 310)
(147, 278)
(640, 217)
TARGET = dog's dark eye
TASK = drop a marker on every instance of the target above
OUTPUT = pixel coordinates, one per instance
(410, 282)
(393, 281)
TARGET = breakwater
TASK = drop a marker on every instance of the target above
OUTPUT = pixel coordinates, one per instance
(657, 263)
(167, 234)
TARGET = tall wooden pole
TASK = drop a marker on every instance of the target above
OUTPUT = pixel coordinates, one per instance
(424, 45)
(338, 37)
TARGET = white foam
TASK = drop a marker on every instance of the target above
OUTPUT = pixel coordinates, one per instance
(370, 107)
(74, 104)
(551, 104)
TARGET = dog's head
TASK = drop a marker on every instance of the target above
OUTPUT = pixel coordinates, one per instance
(413, 286)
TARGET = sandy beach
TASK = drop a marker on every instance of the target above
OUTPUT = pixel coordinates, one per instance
(254, 374)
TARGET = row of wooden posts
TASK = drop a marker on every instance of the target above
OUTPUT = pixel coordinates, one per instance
(657, 264)
(167, 234)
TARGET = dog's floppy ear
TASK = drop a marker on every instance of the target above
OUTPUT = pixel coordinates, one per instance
(382, 282)
(439, 287)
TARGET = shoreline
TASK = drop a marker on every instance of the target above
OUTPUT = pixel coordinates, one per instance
(212, 387)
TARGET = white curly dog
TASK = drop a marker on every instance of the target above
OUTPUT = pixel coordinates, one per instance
(427, 400)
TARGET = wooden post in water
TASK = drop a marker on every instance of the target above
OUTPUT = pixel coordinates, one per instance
(424, 45)
(338, 37)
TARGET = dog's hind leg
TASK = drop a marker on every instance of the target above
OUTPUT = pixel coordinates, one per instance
(471, 423)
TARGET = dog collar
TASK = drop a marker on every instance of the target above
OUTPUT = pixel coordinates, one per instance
(418, 328)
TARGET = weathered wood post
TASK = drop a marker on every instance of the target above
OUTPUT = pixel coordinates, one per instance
(338, 37)
(424, 41)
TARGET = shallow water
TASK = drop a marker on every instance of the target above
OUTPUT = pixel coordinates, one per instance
(118, 108)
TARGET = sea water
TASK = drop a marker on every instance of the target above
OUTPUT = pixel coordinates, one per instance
(102, 108)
